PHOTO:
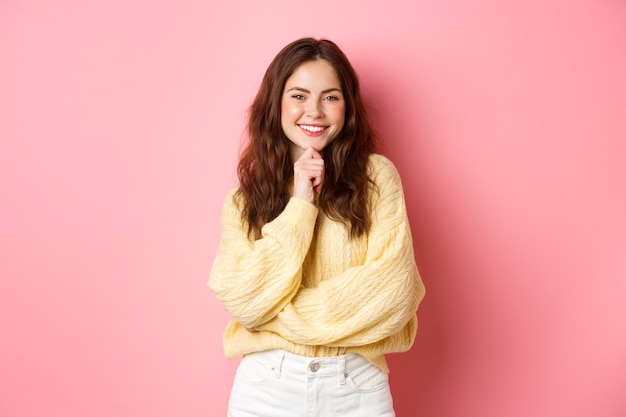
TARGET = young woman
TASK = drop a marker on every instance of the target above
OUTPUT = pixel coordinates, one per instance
(315, 263)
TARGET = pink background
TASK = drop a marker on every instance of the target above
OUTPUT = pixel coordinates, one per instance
(120, 123)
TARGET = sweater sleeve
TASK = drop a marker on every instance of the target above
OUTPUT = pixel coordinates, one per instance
(368, 302)
(254, 280)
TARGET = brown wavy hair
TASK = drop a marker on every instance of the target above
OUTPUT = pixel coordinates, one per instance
(265, 167)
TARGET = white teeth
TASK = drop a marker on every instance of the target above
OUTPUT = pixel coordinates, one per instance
(312, 128)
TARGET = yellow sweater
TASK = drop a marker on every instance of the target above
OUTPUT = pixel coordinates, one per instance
(310, 290)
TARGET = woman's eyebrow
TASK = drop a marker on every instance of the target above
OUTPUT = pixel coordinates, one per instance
(304, 90)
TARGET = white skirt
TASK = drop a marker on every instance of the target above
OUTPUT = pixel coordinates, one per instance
(276, 383)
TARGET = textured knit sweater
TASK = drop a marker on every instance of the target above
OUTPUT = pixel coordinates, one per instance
(309, 289)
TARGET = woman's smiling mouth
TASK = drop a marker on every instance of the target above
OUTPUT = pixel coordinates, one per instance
(313, 130)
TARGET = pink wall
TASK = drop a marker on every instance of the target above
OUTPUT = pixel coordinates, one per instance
(120, 125)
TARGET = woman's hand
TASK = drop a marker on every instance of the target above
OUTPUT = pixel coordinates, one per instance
(308, 175)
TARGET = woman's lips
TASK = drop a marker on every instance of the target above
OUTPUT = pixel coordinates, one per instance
(313, 130)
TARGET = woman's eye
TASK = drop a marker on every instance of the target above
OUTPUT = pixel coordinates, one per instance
(298, 96)
(332, 98)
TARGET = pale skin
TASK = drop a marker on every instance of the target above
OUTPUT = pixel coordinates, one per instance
(312, 115)
(308, 175)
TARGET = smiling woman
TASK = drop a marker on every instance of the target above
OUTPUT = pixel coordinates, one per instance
(312, 115)
(312, 108)
(315, 263)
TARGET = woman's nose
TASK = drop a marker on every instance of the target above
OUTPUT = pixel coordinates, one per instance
(314, 110)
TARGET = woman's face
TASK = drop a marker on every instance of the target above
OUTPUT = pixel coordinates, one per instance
(313, 107)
